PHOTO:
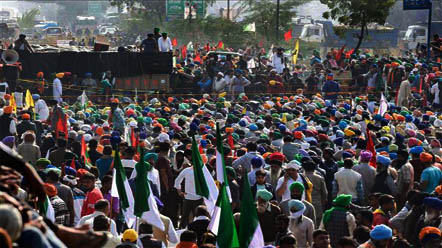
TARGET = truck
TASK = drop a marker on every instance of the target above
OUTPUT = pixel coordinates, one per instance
(323, 32)
(298, 24)
(417, 34)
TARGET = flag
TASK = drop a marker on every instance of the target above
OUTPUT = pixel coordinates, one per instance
(250, 233)
(28, 100)
(220, 45)
(288, 35)
(207, 47)
(133, 140)
(190, 46)
(84, 154)
(230, 141)
(183, 52)
(370, 147)
(383, 106)
(46, 209)
(145, 206)
(339, 55)
(62, 126)
(221, 175)
(174, 42)
(295, 52)
(250, 27)
(204, 184)
(349, 53)
(12, 103)
(197, 58)
(122, 190)
(73, 163)
(83, 99)
(222, 223)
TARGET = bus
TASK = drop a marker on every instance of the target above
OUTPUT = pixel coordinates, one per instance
(83, 23)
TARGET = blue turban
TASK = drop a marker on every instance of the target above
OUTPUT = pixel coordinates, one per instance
(35, 96)
(408, 118)
(253, 127)
(264, 194)
(346, 154)
(343, 125)
(242, 123)
(377, 117)
(433, 202)
(298, 205)
(385, 161)
(193, 126)
(70, 171)
(381, 232)
(416, 150)
(256, 162)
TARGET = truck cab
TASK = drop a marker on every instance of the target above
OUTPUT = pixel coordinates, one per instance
(415, 34)
(312, 33)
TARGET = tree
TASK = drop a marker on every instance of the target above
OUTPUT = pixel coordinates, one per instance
(263, 13)
(27, 20)
(358, 13)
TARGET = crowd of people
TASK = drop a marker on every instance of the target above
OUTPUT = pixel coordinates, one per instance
(326, 168)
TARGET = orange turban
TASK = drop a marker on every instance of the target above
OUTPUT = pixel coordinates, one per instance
(429, 230)
(7, 110)
(426, 157)
(50, 189)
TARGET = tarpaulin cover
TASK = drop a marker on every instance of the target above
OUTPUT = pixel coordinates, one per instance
(127, 64)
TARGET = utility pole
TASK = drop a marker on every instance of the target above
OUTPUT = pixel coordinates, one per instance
(228, 9)
(277, 20)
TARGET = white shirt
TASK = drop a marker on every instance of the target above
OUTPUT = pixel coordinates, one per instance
(18, 99)
(286, 195)
(164, 45)
(347, 180)
(3, 88)
(435, 91)
(152, 175)
(89, 219)
(57, 89)
(277, 63)
(129, 163)
(42, 109)
(189, 184)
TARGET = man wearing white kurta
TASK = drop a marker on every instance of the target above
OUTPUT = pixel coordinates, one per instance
(57, 88)
(164, 44)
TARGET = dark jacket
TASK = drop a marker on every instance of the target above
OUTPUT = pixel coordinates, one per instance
(148, 241)
(23, 126)
(268, 187)
(5, 121)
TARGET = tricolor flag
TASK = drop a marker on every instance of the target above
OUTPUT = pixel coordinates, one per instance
(220, 45)
(46, 209)
(250, 233)
(84, 154)
(122, 190)
(204, 184)
(222, 223)
(145, 206)
(221, 175)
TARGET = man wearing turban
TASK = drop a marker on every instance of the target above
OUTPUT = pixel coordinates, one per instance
(301, 226)
(338, 221)
(380, 237)
(431, 176)
(61, 211)
(57, 89)
(267, 213)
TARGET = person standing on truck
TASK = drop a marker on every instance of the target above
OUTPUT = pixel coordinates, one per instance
(22, 45)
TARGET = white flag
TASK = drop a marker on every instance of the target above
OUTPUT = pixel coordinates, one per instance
(383, 106)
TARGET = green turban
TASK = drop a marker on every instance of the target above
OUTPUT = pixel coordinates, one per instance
(230, 171)
(163, 121)
(264, 194)
(340, 204)
(297, 185)
(151, 155)
(343, 200)
(43, 162)
(277, 135)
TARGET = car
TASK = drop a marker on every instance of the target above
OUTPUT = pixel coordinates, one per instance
(108, 30)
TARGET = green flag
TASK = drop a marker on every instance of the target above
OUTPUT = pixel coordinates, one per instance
(122, 190)
(222, 223)
(250, 233)
(201, 187)
(142, 188)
